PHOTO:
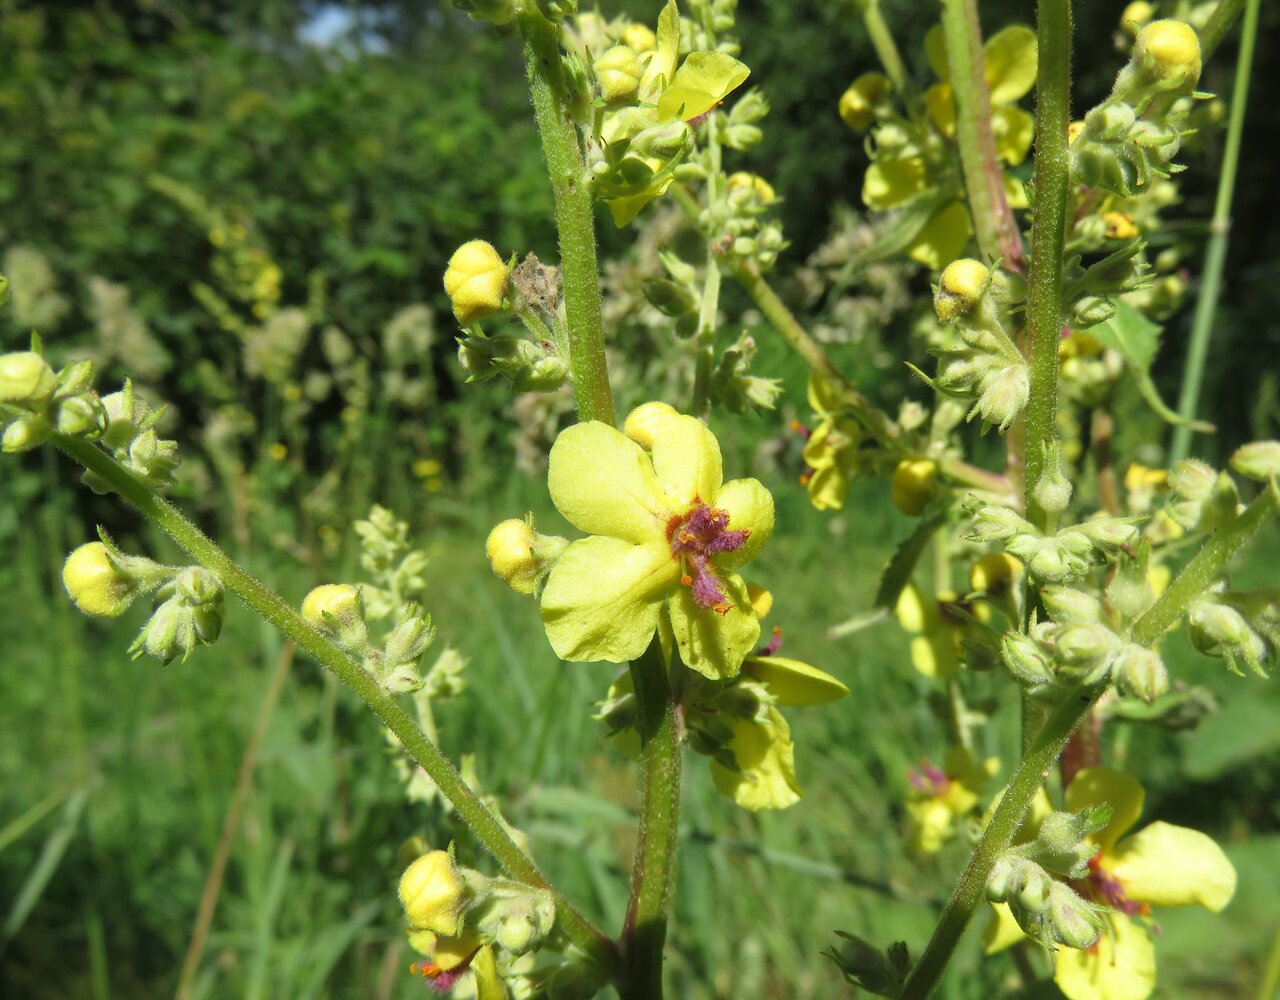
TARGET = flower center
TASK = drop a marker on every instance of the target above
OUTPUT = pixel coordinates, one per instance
(1104, 887)
(694, 538)
(930, 780)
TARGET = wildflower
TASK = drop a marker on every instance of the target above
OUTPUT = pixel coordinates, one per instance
(936, 630)
(94, 582)
(519, 555)
(833, 453)
(941, 796)
(475, 281)
(618, 72)
(867, 94)
(431, 892)
(666, 535)
(26, 380)
(1170, 51)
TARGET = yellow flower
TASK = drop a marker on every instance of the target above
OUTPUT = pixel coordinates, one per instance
(431, 892)
(912, 485)
(337, 601)
(865, 95)
(666, 536)
(95, 584)
(939, 797)
(935, 630)
(1170, 49)
(833, 454)
(475, 281)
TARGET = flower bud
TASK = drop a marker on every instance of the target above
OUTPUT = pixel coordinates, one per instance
(640, 38)
(1169, 50)
(338, 608)
(912, 487)
(1135, 15)
(94, 582)
(521, 923)
(81, 415)
(959, 289)
(24, 434)
(1065, 604)
(1140, 673)
(751, 187)
(409, 639)
(1109, 532)
(519, 555)
(1062, 843)
(26, 380)
(1258, 460)
(1026, 660)
(864, 98)
(433, 895)
(1053, 491)
(476, 281)
(1085, 646)
(642, 423)
(618, 71)
(493, 11)
(996, 524)
(1073, 921)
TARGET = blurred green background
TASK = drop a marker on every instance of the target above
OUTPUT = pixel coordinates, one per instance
(247, 208)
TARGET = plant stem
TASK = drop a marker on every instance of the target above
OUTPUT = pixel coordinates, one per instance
(645, 930)
(882, 41)
(1048, 231)
(575, 223)
(1216, 252)
(706, 336)
(1062, 721)
(1219, 23)
(321, 647)
(993, 221)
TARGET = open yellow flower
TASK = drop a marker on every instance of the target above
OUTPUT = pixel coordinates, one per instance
(936, 632)
(1160, 865)
(834, 453)
(666, 535)
(941, 796)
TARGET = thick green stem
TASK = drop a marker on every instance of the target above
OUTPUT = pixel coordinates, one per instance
(1219, 23)
(706, 336)
(1208, 563)
(571, 185)
(645, 931)
(321, 647)
(1048, 232)
(1216, 254)
(993, 221)
(882, 41)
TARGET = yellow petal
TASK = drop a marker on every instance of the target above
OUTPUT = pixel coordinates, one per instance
(703, 80)
(603, 483)
(1168, 865)
(941, 105)
(888, 183)
(1010, 58)
(794, 683)
(489, 985)
(712, 643)
(750, 507)
(603, 598)
(934, 654)
(766, 778)
(828, 488)
(625, 209)
(824, 396)
(943, 237)
(1016, 192)
(686, 461)
(1002, 930)
(661, 65)
(1095, 786)
(935, 50)
(914, 613)
(1014, 129)
(1121, 966)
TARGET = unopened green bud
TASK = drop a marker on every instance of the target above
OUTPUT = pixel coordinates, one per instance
(1090, 310)
(522, 923)
(959, 289)
(1109, 532)
(26, 380)
(618, 71)
(1004, 396)
(493, 11)
(1066, 604)
(1140, 673)
(24, 434)
(1072, 919)
(1053, 491)
(1062, 844)
(409, 639)
(1087, 647)
(665, 141)
(191, 616)
(1192, 479)
(1258, 460)
(865, 100)
(1026, 660)
(992, 523)
(81, 415)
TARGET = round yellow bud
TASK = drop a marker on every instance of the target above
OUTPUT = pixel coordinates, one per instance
(476, 281)
(1074, 131)
(431, 893)
(913, 485)
(510, 551)
(1170, 49)
(94, 583)
(26, 379)
(1136, 15)
(640, 38)
(643, 422)
(994, 572)
(618, 71)
(858, 104)
(335, 600)
(743, 181)
(959, 288)
(1119, 226)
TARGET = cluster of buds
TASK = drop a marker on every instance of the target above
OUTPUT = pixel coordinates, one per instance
(396, 569)
(1200, 497)
(103, 581)
(739, 215)
(1078, 646)
(466, 921)
(1090, 291)
(339, 609)
(131, 438)
(1065, 555)
(1241, 627)
(1129, 141)
(735, 388)
(983, 364)
(36, 401)
(1047, 908)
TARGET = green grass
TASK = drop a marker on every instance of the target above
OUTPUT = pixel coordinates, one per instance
(115, 777)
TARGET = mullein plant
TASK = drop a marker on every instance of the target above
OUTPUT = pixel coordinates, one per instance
(1034, 334)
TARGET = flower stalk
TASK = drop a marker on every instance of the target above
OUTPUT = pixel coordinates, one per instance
(882, 41)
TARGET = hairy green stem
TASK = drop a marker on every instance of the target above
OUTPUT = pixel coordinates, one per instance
(1219, 23)
(322, 648)
(645, 930)
(882, 41)
(705, 338)
(1216, 253)
(1207, 564)
(1048, 232)
(571, 184)
(993, 221)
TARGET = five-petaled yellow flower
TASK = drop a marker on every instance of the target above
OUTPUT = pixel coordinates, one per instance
(666, 535)
(1160, 865)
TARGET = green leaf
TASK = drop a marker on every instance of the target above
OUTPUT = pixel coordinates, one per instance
(703, 80)
(897, 573)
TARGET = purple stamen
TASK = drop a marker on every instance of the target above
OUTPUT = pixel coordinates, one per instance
(695, 538)
(930, 780)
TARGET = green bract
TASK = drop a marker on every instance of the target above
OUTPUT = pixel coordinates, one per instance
(666, 534)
